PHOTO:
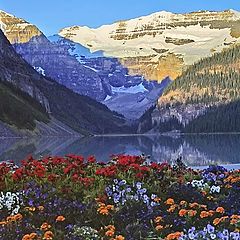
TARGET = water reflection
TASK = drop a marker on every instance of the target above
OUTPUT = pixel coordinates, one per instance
(195, 149)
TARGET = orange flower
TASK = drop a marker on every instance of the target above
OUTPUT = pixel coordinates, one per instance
(26, 237)
(109, 233)
(33, 235)
(119, 237)
(220, 210)
(3, 223)
(159, 227)
(182, 212)
(233, 221)
(173, 236)
(193, 205)
(158, 219)
(29, 236)
(216, 221)
(172, 208)
(169, 201)
(48, 235)
(192, 213)
(103, 209)
(204, 214)
(183, 202)
(18, 217)
(60, 219)
(157, 199)
(45, 226)
(110, 207)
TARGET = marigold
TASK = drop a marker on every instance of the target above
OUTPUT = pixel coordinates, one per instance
(172, 208)
(233, 221)
(119, 237)
(220, 210)
(183, 202)
(169, 201)
(60, 219)
(193, 205)
(158, 219)
(216, 221)
(159, 227)
(33, 235)
(182, 212)
(45, 226)
(26, 237)
(173, 236)
(109, 233)
(48, 235)
(204, 214)
(157, 199)
(192, 213)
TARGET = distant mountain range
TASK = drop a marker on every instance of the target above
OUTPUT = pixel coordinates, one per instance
(192, 59)
(161, 44)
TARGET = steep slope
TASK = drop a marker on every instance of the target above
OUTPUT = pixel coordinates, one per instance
(78, 112)
(207, 91)
(19, 109)
(163, 43)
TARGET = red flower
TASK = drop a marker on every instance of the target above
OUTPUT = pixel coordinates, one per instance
(18, 174)
(91, 159)
(107, 171)
(52, 177)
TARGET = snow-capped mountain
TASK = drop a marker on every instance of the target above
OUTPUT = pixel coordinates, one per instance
(163, 43)
(84, 71)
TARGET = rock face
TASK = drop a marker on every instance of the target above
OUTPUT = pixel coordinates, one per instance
(150, 45)
(16, 29)
(16, 71)
(53, 60)
(69, 111)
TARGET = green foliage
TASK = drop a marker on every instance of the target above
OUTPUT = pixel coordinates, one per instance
(225, 118)
(19, 109)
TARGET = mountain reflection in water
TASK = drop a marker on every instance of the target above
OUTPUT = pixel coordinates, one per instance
(196, 150)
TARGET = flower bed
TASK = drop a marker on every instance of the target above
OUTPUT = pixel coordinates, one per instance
(126, 198)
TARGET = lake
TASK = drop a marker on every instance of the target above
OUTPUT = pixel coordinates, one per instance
(196, 150)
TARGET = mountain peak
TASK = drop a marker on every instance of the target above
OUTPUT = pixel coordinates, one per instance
(17, 29)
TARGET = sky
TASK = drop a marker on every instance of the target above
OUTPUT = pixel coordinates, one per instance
(52, 15)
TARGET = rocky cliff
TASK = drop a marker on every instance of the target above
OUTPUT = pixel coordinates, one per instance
(16, 29)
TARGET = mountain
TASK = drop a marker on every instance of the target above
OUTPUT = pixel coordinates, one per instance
(47, 101)
(16, 29)
(161, 44)
(205, 98)
(85, 72)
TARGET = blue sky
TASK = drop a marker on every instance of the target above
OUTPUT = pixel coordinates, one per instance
(52, 15)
